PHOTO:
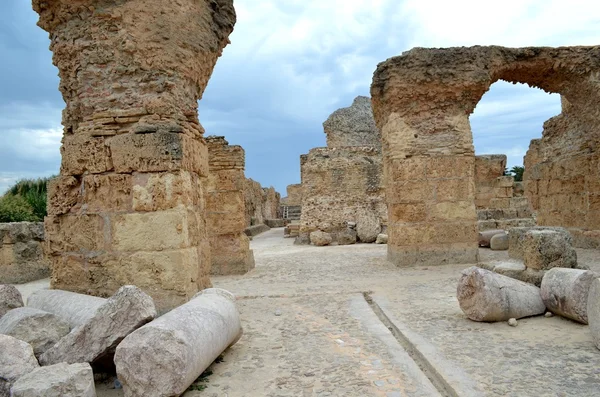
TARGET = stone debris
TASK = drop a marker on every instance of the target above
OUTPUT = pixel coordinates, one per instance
(516, 237)
(353, 126)
(76, 309)
(487, 296)
(499, 242)
(16, 360)
(167, 355)
(320, 238)
(549, 314)
(368, 226)
(347, 236)
(64, 380)
(593, 311)
(10, 298)
(252, 231)
(38, 328)
(486, 236)
(120, 315)
(546, 249)
(513, 322)
(382, 239)
(565, 292)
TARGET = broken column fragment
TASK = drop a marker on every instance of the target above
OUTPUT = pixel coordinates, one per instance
(64, 380)
(128, 206)
(565, 292)
(487, 296)
(164, 357)
(76, 309)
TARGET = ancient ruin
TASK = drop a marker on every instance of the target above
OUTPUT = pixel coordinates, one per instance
(21, 253)
(128, 206)
(261, 203)
(342, 185)
(226, 210)
(422, 101)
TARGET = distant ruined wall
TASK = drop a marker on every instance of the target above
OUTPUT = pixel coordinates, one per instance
(129, 205)
(261, 203)
(225, 208)
(21, 253)
(353, 126)
(294, 195)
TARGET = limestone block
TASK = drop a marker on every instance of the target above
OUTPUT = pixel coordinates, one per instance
(382, 239)
(368, 226)
(38, 328)
(10, 298)
(487, 296)
(545, 249)
(64, 380)
(72, 233)
(320, 238)
(593, 311)
(499, 242)
(165, 356)
(83, 153)
(75, 309)
(565, 292)
(165, 190)
(16, 360)
(255, 230)
(486, 237)
(231, 254)
(121, 314)
(516, 237)
(347, 236)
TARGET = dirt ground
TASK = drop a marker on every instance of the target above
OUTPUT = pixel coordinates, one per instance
(342, 321)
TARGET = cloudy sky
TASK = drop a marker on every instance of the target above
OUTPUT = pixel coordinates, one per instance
(292, 63)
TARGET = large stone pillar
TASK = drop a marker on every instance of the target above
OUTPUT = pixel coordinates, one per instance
(230, 247)
(128, 206)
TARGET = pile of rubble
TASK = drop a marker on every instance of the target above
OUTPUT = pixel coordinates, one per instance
(55, 344)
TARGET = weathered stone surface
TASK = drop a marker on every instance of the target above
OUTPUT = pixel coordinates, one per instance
(565, 292)
(16, 360)
(121, 314)
(368, 226)
(516, 238)
(382, 239)
(499, 242)
(353, 126)
(133, 151)
(260, 203)
(486, 237)
(347, 236)
(64, 380)
(38, 328)
(320, 238)
(545, 249)
(294, 195)
(75, 309)
(423, 114)
(487, 296)
(21, 253)
(255, 230)
(10, 298)
(593, 311)
(516, 270)
(165, 356)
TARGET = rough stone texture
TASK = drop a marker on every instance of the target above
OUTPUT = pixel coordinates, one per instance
(499, 242)
(260, 203)
(75, 309)
(346, 237)
(165, 356)
(294, 195)
(38, 328)
(486, 237)
(516, 237)
(545, 249)
(487, 296)
(565, 292)
(10, 298)
(255, 230)
(516, 270)
(16, 360)
(225, 209)
(97, 338)
(128, 206)
(422, 101)
(21, 253)
(59, 380)
(276, 222)
(353, 126)
(320, 238)
(382, 239)
(593, 311)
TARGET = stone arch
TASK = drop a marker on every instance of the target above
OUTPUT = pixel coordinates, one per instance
(422, 101)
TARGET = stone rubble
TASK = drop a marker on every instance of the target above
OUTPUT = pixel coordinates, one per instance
(16, 360)
(76, 309)
(546, 249)
(64, 380)
(499, 242)
(10, 298)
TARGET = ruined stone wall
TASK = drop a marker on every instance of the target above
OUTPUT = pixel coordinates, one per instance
(353, 126)
(21, 253)
(343, 185)
(128, 206)
(422, 101)
(294, 195)
(562, 169)
(225, 209)
(261, 203)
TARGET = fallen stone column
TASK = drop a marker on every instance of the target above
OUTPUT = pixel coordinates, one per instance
(487, 296)
(565, 292)
(593, 311)
(167, 355)
(485, 238)
(76, 309)
(76, 380)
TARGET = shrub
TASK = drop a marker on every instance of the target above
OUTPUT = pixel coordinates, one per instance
(16, 209)
(34, 191)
